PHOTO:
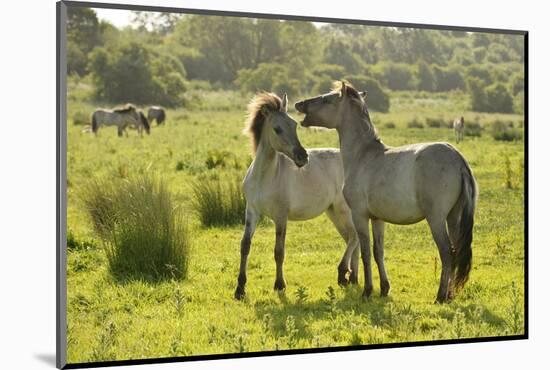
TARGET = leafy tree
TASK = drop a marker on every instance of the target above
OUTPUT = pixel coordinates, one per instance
(478, 96)
(83, 34)
(481, 72)
(425, 76)
(267, 77)
(499, 99)
(448, 78)
(133, 73)
(377, 98)
(517, 83)
(396, 76)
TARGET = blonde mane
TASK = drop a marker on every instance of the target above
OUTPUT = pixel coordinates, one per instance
(255, 118)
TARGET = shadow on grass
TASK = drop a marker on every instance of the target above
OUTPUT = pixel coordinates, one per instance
(348, 302)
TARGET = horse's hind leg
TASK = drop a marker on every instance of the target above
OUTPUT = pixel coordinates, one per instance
(378, 242)
(439, 233)
(340, 215)
(250, 226)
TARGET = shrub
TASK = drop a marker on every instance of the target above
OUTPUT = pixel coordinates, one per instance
(389, 125)
(415, 123)
(268, 77)
(144, 234)
(505, 131)
(448, 78)
(81, 118)
(377, 99)
(435, 122)
(472, 129)
(219, 202)
(425, 76)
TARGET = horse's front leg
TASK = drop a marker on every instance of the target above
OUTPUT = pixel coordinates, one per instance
(361, 222)
(280, 234)
(251, 220)
(378, 242)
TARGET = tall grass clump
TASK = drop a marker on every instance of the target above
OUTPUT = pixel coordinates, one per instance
(219, 202)
(144, 234)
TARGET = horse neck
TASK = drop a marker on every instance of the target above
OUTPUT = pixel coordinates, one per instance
(266, 157)
(357, 139)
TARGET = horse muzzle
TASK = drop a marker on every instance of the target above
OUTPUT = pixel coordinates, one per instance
(300, 157)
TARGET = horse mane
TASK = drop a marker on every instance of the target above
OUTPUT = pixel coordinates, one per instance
(358, 101)
(125, 108)
(255, 118)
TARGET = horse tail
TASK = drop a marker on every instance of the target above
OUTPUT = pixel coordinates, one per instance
(462, 251)
(95, 124)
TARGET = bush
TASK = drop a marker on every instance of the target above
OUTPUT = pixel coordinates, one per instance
(81, 118)
(425, 77)
(472, 129)
(219, 202)
(505, 131)
(144, 234)
(415, 123)
(377, 99)
(478, 96)
(435, 122)
(389, 125)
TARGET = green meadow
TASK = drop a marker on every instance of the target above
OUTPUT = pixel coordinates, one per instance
(114, 319)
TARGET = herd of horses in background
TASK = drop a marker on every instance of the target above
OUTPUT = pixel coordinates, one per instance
(127, 116)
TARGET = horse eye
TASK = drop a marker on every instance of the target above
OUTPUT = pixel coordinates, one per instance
(278, 130)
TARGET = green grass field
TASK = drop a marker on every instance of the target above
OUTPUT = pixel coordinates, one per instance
(113, 320)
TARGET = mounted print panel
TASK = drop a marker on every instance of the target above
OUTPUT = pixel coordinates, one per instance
(235, 184)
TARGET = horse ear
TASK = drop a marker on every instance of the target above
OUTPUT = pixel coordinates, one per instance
(343, 89)
(284, 105)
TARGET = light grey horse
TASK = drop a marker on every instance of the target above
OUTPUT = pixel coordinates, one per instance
(286, 182)
(156, 113)
(401, 185)
(120, 117)
(458, 126)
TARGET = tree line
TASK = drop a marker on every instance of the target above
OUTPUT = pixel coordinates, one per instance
(163, 55)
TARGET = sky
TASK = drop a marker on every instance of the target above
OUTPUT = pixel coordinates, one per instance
(121, 18)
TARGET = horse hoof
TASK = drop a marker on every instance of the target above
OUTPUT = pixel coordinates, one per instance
(279, 285)
(367, 293)
(384, 289)
(239, 293)
(342, 281)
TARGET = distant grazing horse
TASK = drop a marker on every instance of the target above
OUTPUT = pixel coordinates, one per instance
(156, 113)
(458, 126)
(142, 124)
(119, 117)
(286, 182)
(401, 185)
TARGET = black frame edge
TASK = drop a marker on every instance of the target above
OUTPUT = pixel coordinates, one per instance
(61, 212)
(153, 8)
